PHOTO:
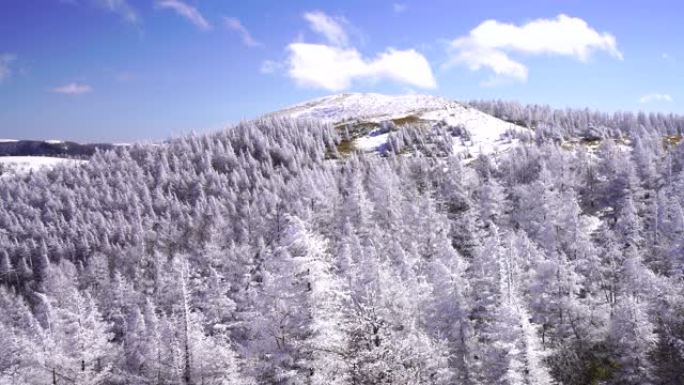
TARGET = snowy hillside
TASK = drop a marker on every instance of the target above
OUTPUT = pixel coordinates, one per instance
(23, 156)
(486, 134)
(349, 106)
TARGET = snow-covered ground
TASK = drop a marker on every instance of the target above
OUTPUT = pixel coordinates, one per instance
(487, 133)
(370, 106)
(592, 223)
(24, 164)
(371, 142)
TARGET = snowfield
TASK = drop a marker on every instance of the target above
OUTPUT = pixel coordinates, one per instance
(487, 133)
(25, 164)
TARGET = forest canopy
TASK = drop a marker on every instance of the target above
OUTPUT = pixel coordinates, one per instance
(264, 255)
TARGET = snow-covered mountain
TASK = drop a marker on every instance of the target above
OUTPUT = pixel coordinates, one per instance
(350, 106)
(486, 134)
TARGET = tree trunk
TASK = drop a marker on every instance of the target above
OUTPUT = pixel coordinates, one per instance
(187, 374)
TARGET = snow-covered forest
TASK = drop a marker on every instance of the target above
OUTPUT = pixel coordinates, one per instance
(264, 254)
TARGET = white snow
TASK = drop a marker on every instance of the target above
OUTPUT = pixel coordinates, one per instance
(486, 132)
(54, 141)
(25, 164)
(369, 106)
(371, 143)
(592, 223)
(8, 140)
(535, 353)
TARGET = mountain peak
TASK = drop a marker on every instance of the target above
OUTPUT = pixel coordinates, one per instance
(345, 106)
(485, 133)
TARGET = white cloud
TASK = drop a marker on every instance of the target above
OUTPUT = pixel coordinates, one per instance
(121, 8)
(489, 44)
(327, 26)
(502, 65)
(655, 97)
(72, 89)
(187, 11)
(6, 60)
(235, 25)
(336, 66)
(404, 66)
(399, 7)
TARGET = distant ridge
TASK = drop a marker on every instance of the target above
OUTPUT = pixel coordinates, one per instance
(50, 148)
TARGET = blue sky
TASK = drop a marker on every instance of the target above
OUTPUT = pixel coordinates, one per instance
(125, 70)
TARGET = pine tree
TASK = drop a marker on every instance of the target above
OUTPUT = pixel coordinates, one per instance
(633, 335)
